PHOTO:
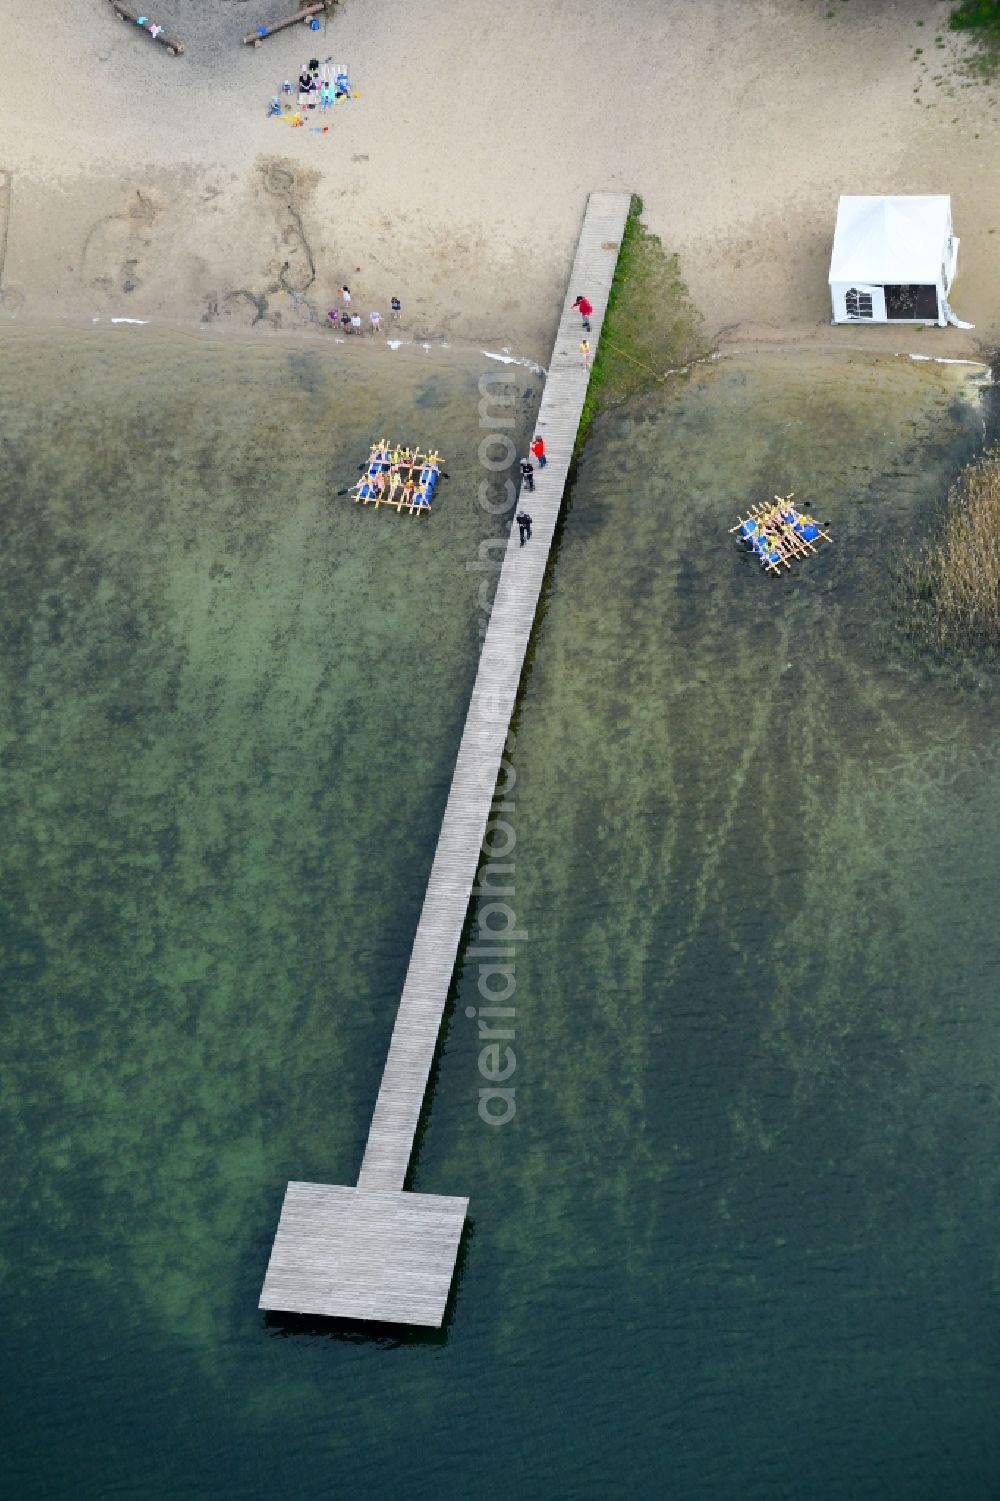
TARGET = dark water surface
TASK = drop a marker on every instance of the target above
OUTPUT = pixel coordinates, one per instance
(740, 1238)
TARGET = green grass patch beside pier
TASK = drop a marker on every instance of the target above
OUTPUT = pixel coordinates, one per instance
(651, 326)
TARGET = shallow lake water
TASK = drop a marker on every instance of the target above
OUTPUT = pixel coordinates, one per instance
(738, 1240)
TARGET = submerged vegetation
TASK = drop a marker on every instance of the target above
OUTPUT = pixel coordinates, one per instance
(953, 591)
(651, 326)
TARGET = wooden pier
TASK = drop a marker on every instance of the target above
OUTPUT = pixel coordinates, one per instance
(377, 1251)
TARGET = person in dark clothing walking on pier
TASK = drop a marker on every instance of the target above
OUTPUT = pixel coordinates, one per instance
(527, 474)
(524, 526)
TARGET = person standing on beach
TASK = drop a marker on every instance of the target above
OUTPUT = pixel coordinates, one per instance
(538, 449)
(524, 526)
(375, 320)
(585, 308)
(527, 474)
(345, 293)
(397, 308)
(585, 353)
(356, 323)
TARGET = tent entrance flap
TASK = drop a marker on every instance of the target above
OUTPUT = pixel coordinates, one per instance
(910, 302)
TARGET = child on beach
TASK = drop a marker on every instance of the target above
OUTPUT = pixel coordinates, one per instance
(375, 319)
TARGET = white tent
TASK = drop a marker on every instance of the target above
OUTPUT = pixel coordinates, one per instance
(893, 260)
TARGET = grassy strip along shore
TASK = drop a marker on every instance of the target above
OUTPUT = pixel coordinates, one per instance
(977, 15)
(651, 326)
(980, 19)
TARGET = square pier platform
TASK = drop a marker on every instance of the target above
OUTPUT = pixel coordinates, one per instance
(364, 1253)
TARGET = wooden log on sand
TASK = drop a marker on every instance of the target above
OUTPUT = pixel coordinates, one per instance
(254, 38)
(156, 32)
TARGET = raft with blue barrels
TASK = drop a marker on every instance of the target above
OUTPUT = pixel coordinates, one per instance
(403, 478)
(778, 533)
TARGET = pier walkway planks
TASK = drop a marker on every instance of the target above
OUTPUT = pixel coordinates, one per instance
(385, 1257)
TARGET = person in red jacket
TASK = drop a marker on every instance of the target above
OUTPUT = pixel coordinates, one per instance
(586, 308)
(538, 449)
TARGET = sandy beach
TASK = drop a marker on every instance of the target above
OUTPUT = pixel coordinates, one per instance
(138, 185)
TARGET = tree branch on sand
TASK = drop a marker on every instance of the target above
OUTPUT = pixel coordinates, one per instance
(125, 13)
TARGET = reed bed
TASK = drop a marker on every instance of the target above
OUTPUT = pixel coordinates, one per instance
(955, 588)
